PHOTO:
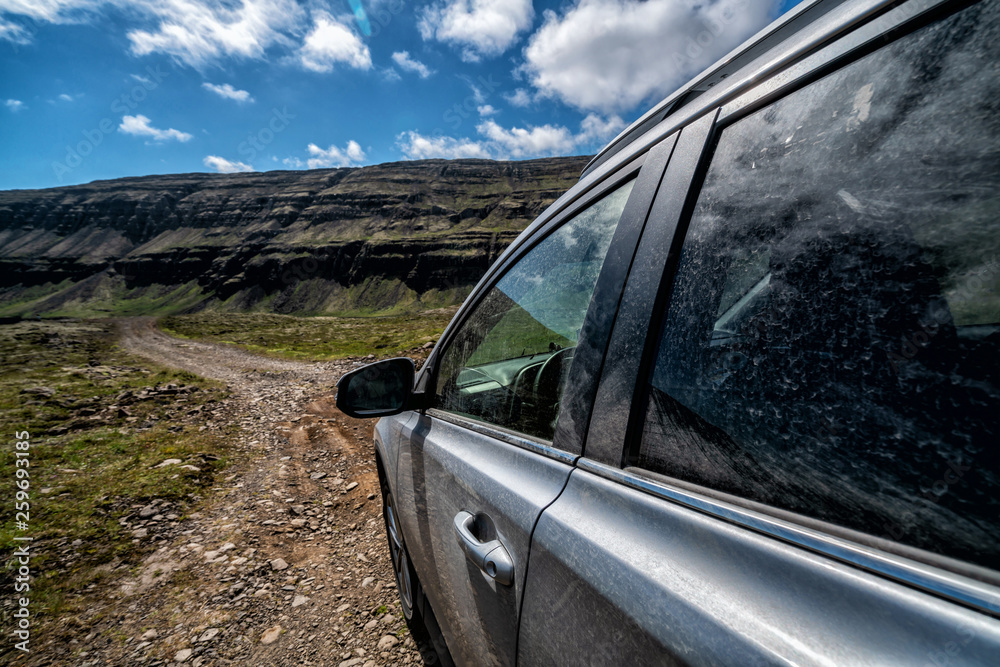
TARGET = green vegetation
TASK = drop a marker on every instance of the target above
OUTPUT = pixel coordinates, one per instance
(99, 422)
(319, 338)
(517, 334)
(104, 296)
(365, 241)
(19, 301)
(108, 296)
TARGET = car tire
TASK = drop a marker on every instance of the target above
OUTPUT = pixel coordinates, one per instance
(416, 609)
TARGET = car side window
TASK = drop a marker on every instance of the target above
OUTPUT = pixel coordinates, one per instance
(832, 342)
(508, 363)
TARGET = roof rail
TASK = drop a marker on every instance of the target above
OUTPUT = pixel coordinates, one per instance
(781, 29)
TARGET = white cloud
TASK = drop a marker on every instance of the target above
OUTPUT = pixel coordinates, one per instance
(518, 142)
(479, 27)
(13, 32)
(405, 62)
(228, 92)
(140, 127)
(14, 105)
(416, 146)
(519, 98)
(610, 55)
(201, 32)
(594, 128)
(142, 79)
(486, 110)
(51, 11)
(194, 32)
(477, 92)
(501, 143)
(331, 42)
(65, 97)
(333, 156)
(224, 166)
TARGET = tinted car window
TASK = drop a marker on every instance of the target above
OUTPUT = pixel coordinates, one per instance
(509, 362)
(832, 345)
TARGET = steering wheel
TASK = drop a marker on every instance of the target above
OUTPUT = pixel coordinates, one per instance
(552, 375)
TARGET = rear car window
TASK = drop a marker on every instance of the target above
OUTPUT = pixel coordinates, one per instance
(832, 343)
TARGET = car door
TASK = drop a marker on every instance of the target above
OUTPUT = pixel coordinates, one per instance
(793, 453)
(475, 470)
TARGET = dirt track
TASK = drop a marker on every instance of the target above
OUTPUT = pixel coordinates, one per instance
(304, 490)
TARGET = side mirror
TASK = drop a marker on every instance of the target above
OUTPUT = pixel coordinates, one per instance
(382, 389)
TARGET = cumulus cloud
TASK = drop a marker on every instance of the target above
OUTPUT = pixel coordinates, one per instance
(331, 42)
(200, 32)
(228, 92)
(139, 126)
(14, 105)
(194, 32)
(419, 147)
(478, 27)
(405, 62)
(519, 98)
(594, 128)
(501, 143)
(519, 142)
(611, 55)
(224, 166)
(486, 110)
(333, 157)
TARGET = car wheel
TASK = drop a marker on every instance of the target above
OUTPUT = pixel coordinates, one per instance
(417, 611)
(401, 567)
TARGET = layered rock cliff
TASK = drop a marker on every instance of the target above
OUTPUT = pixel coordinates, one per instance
(406, 235)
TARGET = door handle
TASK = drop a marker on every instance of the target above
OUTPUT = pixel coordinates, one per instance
(490, 557)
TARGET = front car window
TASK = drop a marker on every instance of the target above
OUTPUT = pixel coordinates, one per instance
(832, 345)
(508, 363)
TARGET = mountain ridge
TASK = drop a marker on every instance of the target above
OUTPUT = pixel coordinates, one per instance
(396, 236)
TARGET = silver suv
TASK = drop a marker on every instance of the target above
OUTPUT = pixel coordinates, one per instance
(735, 397)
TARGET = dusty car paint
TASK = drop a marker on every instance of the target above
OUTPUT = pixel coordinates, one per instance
(616, 565)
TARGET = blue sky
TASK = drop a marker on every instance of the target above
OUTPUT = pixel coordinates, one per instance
(97, 89)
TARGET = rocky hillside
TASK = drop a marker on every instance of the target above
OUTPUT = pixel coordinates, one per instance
(398, 236)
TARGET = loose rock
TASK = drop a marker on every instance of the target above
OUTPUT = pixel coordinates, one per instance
(271, 635)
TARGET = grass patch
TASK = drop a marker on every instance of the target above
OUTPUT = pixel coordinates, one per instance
(315, 338)
(99, 422)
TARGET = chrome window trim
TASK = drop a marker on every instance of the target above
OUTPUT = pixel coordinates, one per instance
(957, 588)
(537, 446)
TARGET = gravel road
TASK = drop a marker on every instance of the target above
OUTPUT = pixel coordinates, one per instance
(285, 564)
